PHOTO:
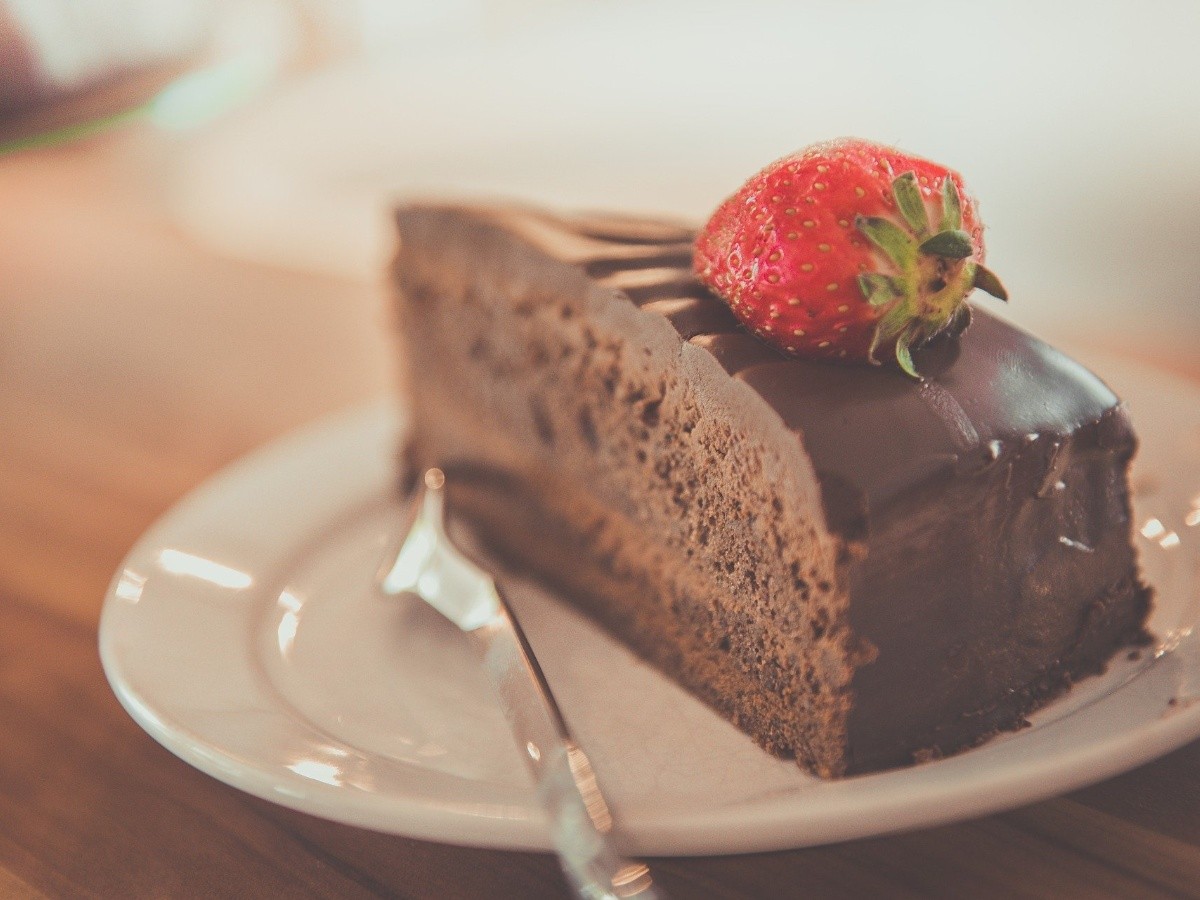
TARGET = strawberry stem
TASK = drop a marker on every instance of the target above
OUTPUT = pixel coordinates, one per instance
(950, 244)
(951, 206)
(889, 237)
(908, 197)
(986, 280)
(878, 289)
(904, 355)
(927, 294)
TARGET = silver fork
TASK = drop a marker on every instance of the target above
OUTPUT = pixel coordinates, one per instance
(429, 566)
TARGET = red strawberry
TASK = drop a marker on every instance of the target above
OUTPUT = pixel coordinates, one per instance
(845, 249)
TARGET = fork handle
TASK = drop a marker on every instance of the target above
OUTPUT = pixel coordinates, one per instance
(580, 821)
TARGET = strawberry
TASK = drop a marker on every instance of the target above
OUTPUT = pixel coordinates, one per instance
(846, 249)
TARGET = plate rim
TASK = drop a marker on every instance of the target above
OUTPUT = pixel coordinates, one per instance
(764, 824)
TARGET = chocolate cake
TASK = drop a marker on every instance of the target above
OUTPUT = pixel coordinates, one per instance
(858, 569)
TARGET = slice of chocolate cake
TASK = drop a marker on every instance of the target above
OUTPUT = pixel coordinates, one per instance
(857, 568)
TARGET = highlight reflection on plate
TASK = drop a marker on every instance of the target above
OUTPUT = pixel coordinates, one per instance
(244, 633)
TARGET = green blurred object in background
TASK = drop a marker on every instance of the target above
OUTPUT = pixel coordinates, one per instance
(76, 69)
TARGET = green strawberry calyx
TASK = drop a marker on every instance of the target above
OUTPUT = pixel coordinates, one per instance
(934, 272)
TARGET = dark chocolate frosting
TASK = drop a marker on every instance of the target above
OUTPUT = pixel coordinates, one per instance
(873, 427)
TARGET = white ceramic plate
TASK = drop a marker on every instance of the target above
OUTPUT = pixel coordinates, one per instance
(243, 633)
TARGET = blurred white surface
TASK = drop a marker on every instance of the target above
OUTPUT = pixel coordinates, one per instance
(1078, 126)
(77, 41)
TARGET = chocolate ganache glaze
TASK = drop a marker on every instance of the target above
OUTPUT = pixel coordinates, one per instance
(984, 510)
(999, 415)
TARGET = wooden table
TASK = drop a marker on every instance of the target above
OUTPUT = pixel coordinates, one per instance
(133, 364)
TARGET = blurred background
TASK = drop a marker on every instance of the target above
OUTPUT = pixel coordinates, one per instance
(139, 137)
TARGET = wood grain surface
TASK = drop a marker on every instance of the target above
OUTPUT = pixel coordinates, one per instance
(134, 363)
